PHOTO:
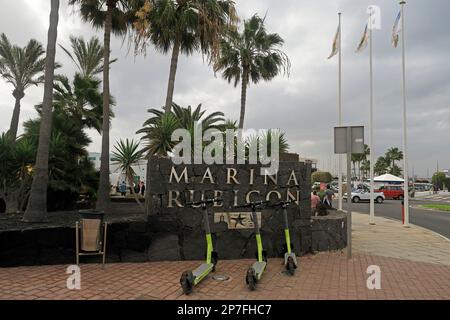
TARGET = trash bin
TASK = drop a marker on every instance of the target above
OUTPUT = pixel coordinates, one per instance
(91, 225)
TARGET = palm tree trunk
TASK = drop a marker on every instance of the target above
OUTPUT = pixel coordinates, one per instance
(172, 73)
(37, 205)
(16, 113)
(131, 182)
(359, 170)
(103, 200)
(12, 202)
(243, 97)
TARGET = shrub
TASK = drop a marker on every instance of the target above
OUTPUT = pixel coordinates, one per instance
(321, 176)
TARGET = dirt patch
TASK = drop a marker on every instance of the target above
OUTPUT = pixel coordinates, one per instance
(120, 212)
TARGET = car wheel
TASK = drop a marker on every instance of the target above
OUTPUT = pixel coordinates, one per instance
(380, 200)
(356, 199)
(400, 198)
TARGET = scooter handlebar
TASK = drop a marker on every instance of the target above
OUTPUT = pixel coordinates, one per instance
(282, 204)
(254, 204)
(204, 202)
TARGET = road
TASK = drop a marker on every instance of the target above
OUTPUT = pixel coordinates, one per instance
(436, 221)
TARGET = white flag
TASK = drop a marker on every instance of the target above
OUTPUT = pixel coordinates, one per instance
(364, 40)
(335, 49)
(396, 30)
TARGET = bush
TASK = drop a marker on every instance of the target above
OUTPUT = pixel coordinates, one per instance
(321, 176)
(439, 179)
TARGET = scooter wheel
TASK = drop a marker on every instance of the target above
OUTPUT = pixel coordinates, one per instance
(250, 279)
(187, 282)
(290, 266)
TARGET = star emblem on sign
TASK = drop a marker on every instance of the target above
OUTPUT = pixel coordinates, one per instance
(239, 220)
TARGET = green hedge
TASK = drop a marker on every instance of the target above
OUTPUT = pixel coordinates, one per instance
(321, 176)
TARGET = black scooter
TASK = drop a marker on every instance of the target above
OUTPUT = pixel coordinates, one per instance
(189, 279)
(255, 272)
(290, 259)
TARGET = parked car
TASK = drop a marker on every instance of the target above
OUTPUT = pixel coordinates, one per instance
(392, 192)
(334, 185)
(362, 195)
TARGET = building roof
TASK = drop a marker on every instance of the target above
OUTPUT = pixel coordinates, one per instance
(388, 178)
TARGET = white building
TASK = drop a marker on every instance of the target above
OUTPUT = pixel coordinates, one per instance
(447, 172)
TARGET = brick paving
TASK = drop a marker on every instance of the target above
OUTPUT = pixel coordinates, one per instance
(414, 263)
(321, 276)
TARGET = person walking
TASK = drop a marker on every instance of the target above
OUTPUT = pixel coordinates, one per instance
(315, 200)
(123, 189)
(142, 188)
(328, 198)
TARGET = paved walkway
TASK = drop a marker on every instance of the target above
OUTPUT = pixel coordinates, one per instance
(322, 276)
(390, 239)
(431, 197)
(414, 264)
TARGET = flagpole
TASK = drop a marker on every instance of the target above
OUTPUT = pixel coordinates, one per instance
(372, 200)
(405, 131)
(340, 113)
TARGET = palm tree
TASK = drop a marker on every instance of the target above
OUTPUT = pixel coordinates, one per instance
(381, 166)
(16, 158)
(87, 56)
(183, 27)
(251, 55)
(127, 155)
(68, 171)
(117, 18)
(392, 155)
(158, 129)
(395, 170)
(158, 134)
(365, 167)
(22, 68)
(37, 205)
(357, 158)
(263, 141)
(82, 100)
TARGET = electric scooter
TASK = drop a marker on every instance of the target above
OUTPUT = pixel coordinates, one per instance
(290, 260)
(255, 272)
(189, 278)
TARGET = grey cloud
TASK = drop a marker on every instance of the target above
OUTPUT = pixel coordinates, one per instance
(305, 104)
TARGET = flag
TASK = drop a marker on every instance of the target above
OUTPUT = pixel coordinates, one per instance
(336, 41)
(364, 40)
(396, 30)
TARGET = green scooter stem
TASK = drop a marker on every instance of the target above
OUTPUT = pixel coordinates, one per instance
(287, 234)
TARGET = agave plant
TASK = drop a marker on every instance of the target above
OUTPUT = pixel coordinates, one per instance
(126, 155)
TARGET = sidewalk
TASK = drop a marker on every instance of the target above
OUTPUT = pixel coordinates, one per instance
(414, 263)
(441, 196)
(390, 239)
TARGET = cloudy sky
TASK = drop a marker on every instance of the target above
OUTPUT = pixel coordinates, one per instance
(303, 105)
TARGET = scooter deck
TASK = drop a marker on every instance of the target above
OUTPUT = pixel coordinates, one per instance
(202, 271)
(259, 268)
(292, 255)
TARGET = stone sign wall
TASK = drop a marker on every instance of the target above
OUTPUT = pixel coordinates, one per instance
(171, 231)
(177, 230)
